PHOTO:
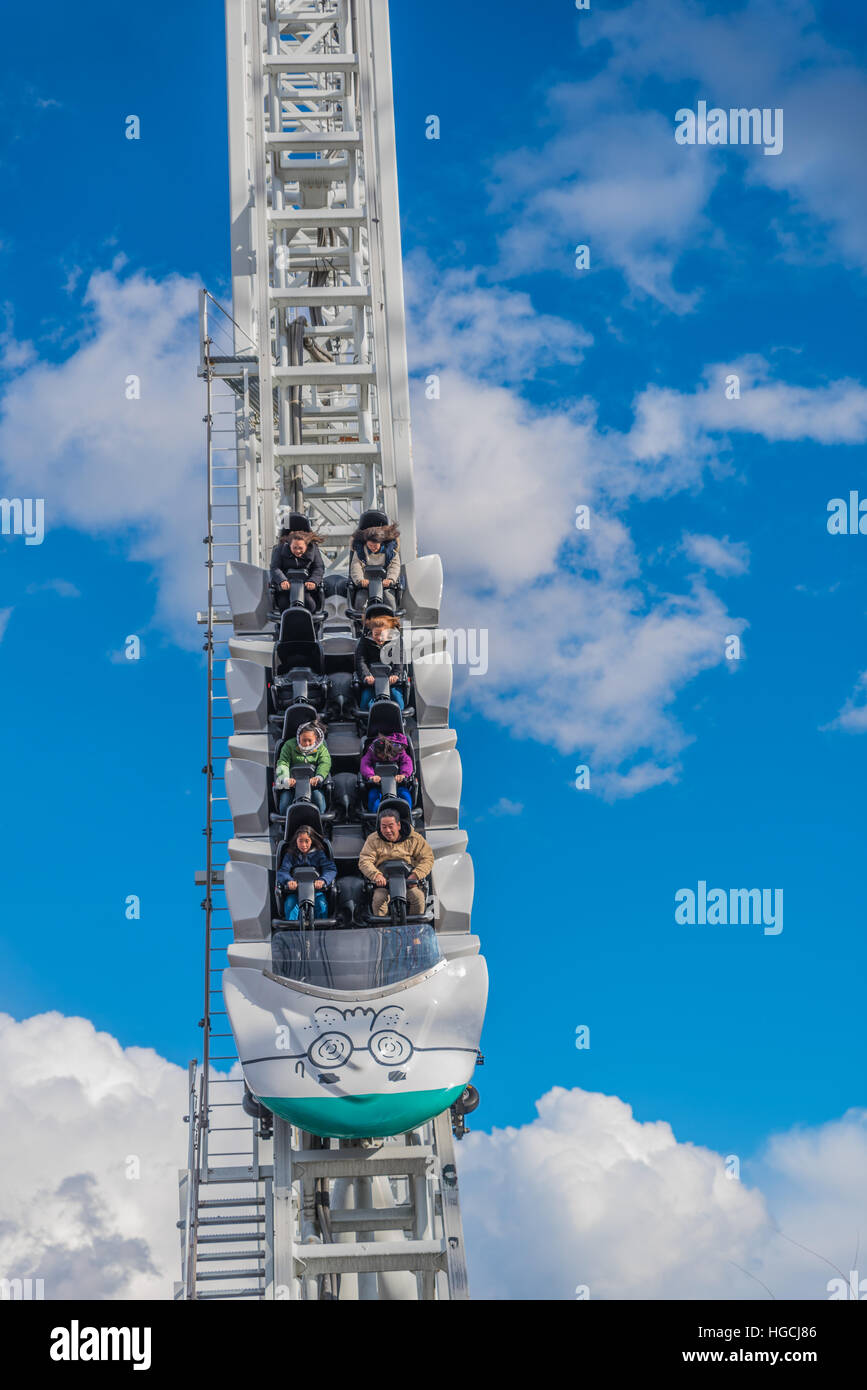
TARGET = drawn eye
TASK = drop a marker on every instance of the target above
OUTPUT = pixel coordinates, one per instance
(331, 1050)
(390, 1048)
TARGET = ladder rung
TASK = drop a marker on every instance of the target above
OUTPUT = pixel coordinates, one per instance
(229, 1274)
(229, 1220)
(232, 1293)
(232, 1202)
(227, 1240)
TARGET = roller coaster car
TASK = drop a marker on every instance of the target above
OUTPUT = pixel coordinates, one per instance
(303, 776)
(363, 1032)
(388, 785)
(360, 599)
(301, 813)
(299, 663)
(257, 1111)
(463, 1106)
(379, 722)
(305, 877)
(383, 717)
(286, 724)
(297, 591)
(396, 873)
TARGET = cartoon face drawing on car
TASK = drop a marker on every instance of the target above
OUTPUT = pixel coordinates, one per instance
(343, 1032)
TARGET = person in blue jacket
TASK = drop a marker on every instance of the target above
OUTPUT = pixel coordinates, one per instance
(305, 848)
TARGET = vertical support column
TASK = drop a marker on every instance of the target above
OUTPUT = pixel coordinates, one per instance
(283, 1214)
(262, 244)
(240, 32)
(376, 97)
(453, 1231)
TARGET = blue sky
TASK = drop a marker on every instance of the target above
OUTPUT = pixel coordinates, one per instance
(720, 259)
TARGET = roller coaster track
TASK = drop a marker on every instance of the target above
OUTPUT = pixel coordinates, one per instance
(317, 330)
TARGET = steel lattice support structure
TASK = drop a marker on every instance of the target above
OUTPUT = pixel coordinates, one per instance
(308, 410)
(317, 288)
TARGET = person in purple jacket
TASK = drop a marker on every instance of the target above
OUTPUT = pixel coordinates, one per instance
(391, 749)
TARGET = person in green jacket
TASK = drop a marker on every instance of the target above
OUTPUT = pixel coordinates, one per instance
(308, 746)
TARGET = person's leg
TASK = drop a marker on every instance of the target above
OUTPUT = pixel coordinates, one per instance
(397, 696)
(290, 907)
(318, 799)
(366, 697)
(406, 794)
(287, 796)
(380, 902)
(321, 907)
(415, 901)
(284, 598)
(374, 796)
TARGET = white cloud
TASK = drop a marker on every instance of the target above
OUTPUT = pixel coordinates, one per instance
(676, 436)
(74, 1106)
(587, 1195)
(566, 611)
(718, 554)
(458, 322)
(612, 175)
(498, 481)
(5, 615)
(505, 807)
(106, 464)
(852, 718)
(592, 668)
(628, 192)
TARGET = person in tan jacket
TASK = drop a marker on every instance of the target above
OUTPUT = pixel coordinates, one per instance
(391, 840)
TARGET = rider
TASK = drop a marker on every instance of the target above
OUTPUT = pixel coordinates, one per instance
(391, 840)
(308, 746)
(305, 848)
(391, 748)
(380, 628)
(376, 545)
(297, 550)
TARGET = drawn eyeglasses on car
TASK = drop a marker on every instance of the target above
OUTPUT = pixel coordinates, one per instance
(386, 1047)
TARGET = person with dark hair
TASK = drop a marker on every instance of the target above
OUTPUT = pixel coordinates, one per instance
(392, 840)
(296, 551)
(390, 748)
(381, 629)
(308, 849)
(375, 545)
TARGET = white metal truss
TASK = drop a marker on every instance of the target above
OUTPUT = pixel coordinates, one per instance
(308, 410)
(317, 289)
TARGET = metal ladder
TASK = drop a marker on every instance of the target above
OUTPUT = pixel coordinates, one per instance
(219, 1227)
